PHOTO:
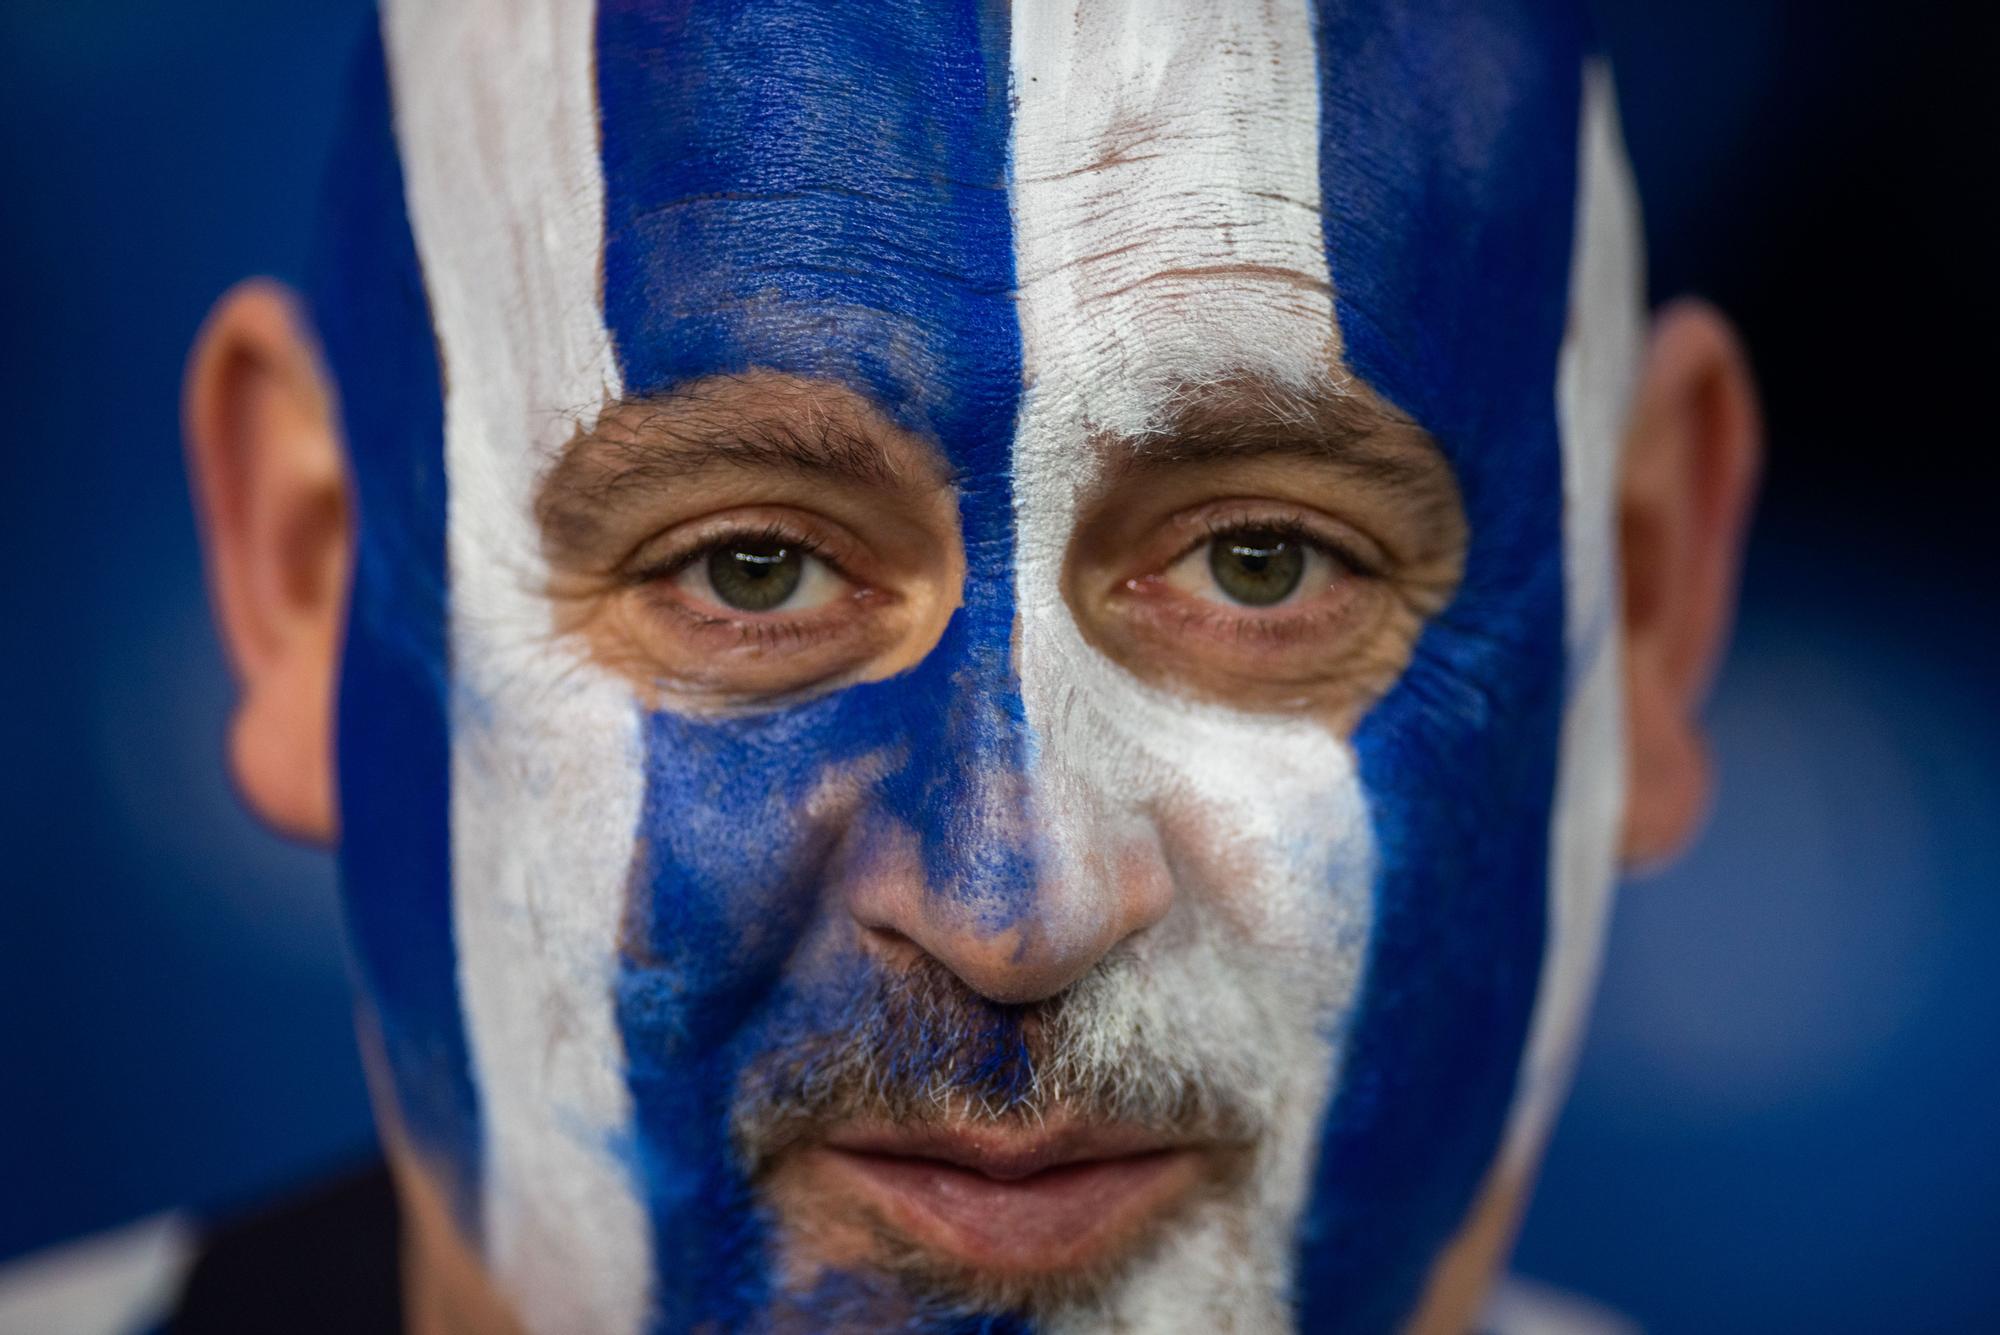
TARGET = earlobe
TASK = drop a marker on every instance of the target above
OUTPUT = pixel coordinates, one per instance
(271, 494)
(1691, 464)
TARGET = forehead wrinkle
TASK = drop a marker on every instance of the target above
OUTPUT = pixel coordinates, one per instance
(1166, 204)
(818, 189)
(1187, 280)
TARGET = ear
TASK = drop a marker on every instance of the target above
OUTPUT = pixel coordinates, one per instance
(1691, 463)
(271, 495)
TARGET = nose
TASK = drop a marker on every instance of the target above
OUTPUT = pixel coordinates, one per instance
(1019, 882)
(1012, 944)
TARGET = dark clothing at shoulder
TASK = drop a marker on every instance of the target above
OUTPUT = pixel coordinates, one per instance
(324, 1263)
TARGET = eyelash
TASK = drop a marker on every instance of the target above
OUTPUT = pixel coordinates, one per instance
(1291, 529)
(667, 567)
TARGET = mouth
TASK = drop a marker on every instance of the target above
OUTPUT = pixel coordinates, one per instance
(1007, 1202)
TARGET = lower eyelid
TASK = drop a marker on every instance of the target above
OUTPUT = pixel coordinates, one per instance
(724, 628)
(1213, 622)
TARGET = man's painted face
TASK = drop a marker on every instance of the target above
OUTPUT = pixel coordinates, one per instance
(980, 689)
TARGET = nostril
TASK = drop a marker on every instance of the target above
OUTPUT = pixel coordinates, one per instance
(894, 948)
(1011, 966)
(1017, 966)
(1065, 924)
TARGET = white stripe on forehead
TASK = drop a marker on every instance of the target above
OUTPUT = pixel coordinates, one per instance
(1165, 197)
(497, 126)
(1594, 379)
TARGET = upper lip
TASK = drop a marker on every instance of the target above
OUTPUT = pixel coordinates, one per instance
(1003, 1153)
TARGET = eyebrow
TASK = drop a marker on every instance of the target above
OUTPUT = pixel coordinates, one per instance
(651, 442)
(1364, 457)
(641, 447)
(1332, 425)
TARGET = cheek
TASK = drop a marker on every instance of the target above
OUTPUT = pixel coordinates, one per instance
(1263, 831)
(743, 826)
(1278, 854)
(1261, 820)
(1258, 825)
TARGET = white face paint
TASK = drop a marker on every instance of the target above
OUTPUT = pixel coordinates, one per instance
(1138, 127)
(1166, 207)
(497, 122)
(1600, 361)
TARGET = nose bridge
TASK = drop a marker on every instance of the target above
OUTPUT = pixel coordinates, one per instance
(964, 791)
(979, 886)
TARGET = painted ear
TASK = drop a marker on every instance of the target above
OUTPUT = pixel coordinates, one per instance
(271, 494)
(1691, 464)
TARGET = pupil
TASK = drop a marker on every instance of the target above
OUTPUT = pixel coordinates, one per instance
(1256, 567)
(755, 576)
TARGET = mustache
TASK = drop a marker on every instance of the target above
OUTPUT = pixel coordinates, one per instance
(916, 1046)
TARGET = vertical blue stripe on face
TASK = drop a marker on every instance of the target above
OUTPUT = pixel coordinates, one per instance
(1448, 173)
(374, 323)
(817, 188)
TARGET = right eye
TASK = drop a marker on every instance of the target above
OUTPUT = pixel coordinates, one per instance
(760, 574)
(754, 606)
(1257, 567)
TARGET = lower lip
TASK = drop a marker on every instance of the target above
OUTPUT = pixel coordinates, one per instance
(1060, 1219)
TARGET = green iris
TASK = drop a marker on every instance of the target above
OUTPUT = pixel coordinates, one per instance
(755, 576)
(1256, 567)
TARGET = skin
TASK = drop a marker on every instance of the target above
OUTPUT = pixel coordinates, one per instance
(273, 495)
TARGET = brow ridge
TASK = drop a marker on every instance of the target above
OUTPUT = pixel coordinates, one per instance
(641, 446)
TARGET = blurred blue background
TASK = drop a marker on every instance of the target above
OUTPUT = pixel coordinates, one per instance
(1784, 1116)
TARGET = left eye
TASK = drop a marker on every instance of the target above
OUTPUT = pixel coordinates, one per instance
(760, 575)
(1255, 567)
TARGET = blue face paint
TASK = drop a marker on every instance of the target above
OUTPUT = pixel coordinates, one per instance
(818, 189)
(1448, 167)
(367, 298)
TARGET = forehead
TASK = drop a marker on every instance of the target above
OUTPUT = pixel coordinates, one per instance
(859, 193)
(864, 202)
